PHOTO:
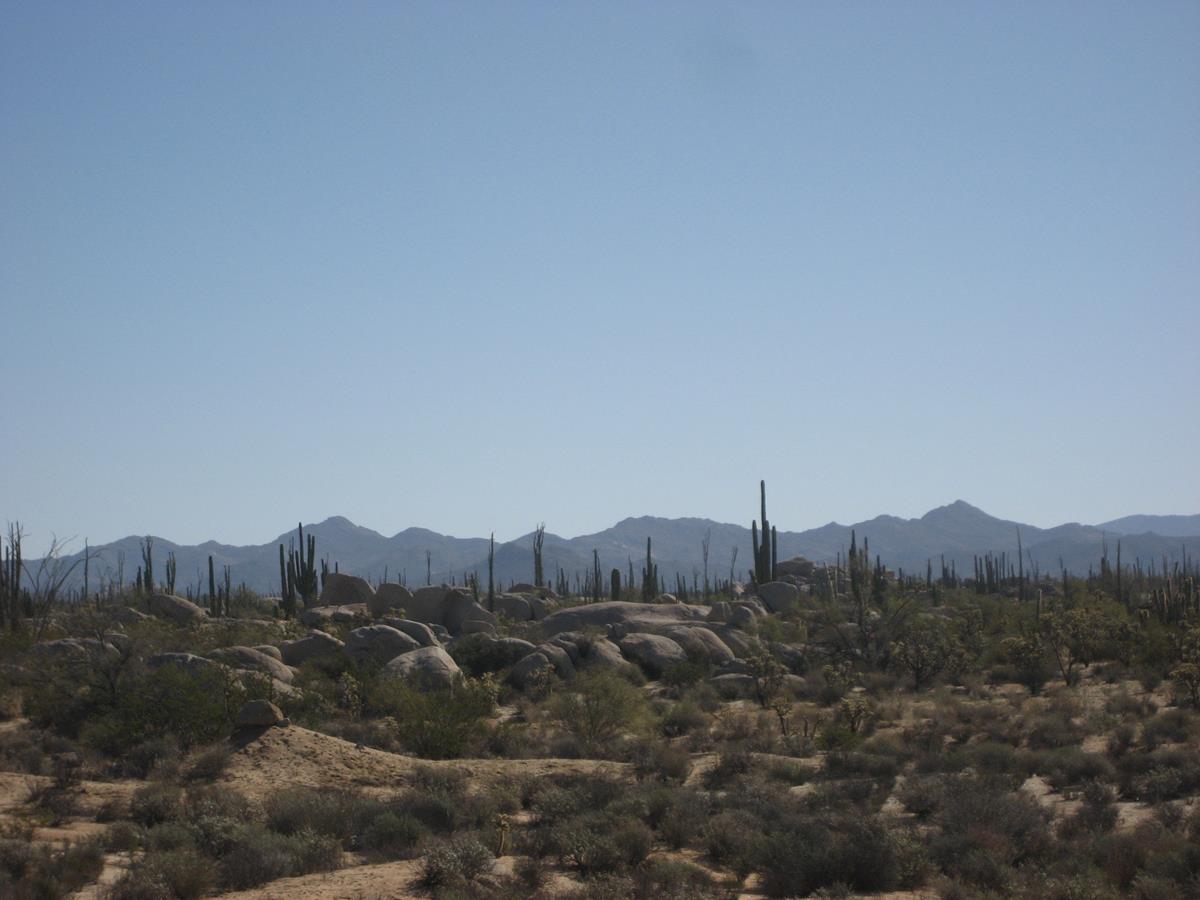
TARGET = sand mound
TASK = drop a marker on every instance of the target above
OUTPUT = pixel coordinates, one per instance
(297, 757)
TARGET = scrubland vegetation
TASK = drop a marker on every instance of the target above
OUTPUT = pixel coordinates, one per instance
(1000, 736)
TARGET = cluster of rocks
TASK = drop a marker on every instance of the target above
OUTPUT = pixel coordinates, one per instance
(412, 634)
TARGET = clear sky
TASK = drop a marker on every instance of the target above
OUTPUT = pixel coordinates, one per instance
(476, 266)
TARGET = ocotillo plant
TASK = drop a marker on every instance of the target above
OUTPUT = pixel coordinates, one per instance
(171, 569)
(649, 576)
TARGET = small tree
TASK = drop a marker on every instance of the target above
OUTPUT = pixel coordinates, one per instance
(927, 649)
(598, 707)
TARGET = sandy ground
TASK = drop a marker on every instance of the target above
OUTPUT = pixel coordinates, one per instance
(296, 757)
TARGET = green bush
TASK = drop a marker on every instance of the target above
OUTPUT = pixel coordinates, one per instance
(441, 724)
(156, 803)
(392, 835)
(184, 874)
(459, 859)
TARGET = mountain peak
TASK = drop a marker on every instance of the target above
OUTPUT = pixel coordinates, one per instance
(957, 509)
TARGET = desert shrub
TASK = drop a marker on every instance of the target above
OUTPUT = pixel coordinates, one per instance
(1120, 741)
(211, 763)
(531, 872)
(674, 880)
(870, 765)
(658, 759)
(156, 803)
(461, 858)
(184, 874)
(122, 837)
(684, 674)
(1047, 732)
(37, 871)
(1097, 813)
(332, 813)
(732, 762)
(682, 718)
(598, 706)
(170, 702)
(1169, 726)
(170, 836)
(992, 758)
(440, 724)
(477, 655)
(683, 820)
(729, 839)
(392, 835)
(921, 796)
(1069, 766)
(810, 854)
(259, 856)
(985, 829)
(1126, 705)
(142, 759)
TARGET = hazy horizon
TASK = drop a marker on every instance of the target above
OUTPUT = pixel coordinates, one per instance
(475, 268)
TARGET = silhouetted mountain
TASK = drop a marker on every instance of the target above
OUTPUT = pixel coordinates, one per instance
(1167, 526)
(957, 531)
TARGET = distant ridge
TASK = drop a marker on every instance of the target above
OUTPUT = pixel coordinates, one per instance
(957, 531)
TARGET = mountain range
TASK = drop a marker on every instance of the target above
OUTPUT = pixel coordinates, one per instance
(957, 532)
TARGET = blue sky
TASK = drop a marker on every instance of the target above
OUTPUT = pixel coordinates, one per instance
(476, 266)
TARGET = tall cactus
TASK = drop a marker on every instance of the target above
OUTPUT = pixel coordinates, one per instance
(649, 576)
(765, 549)
(214, 600)
(539, 536)
(148, 564)
(615, 584)
(302, 568)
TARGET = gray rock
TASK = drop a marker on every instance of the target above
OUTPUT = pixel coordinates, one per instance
(733, 686)
(779, 596)
(260, 714)
(563, 667)
(743, 617)
(248, 658)
(176, 609)
(418, 631)
(74, 649)
(698, 643)
(652, 652)
(321, 616)
(540, 607)
(614, 612)
(379, 643)
(527, 668)
(720, 612)
(602, 653)
(427, 668)
(475, 626)
(315, 644)
(459, 607)
(568, 645)
(426, 604)
(389, 598)
(512, 606)
(270, 649)
(344, 590)
(738, 641)
(189, 662)
(126, 615)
